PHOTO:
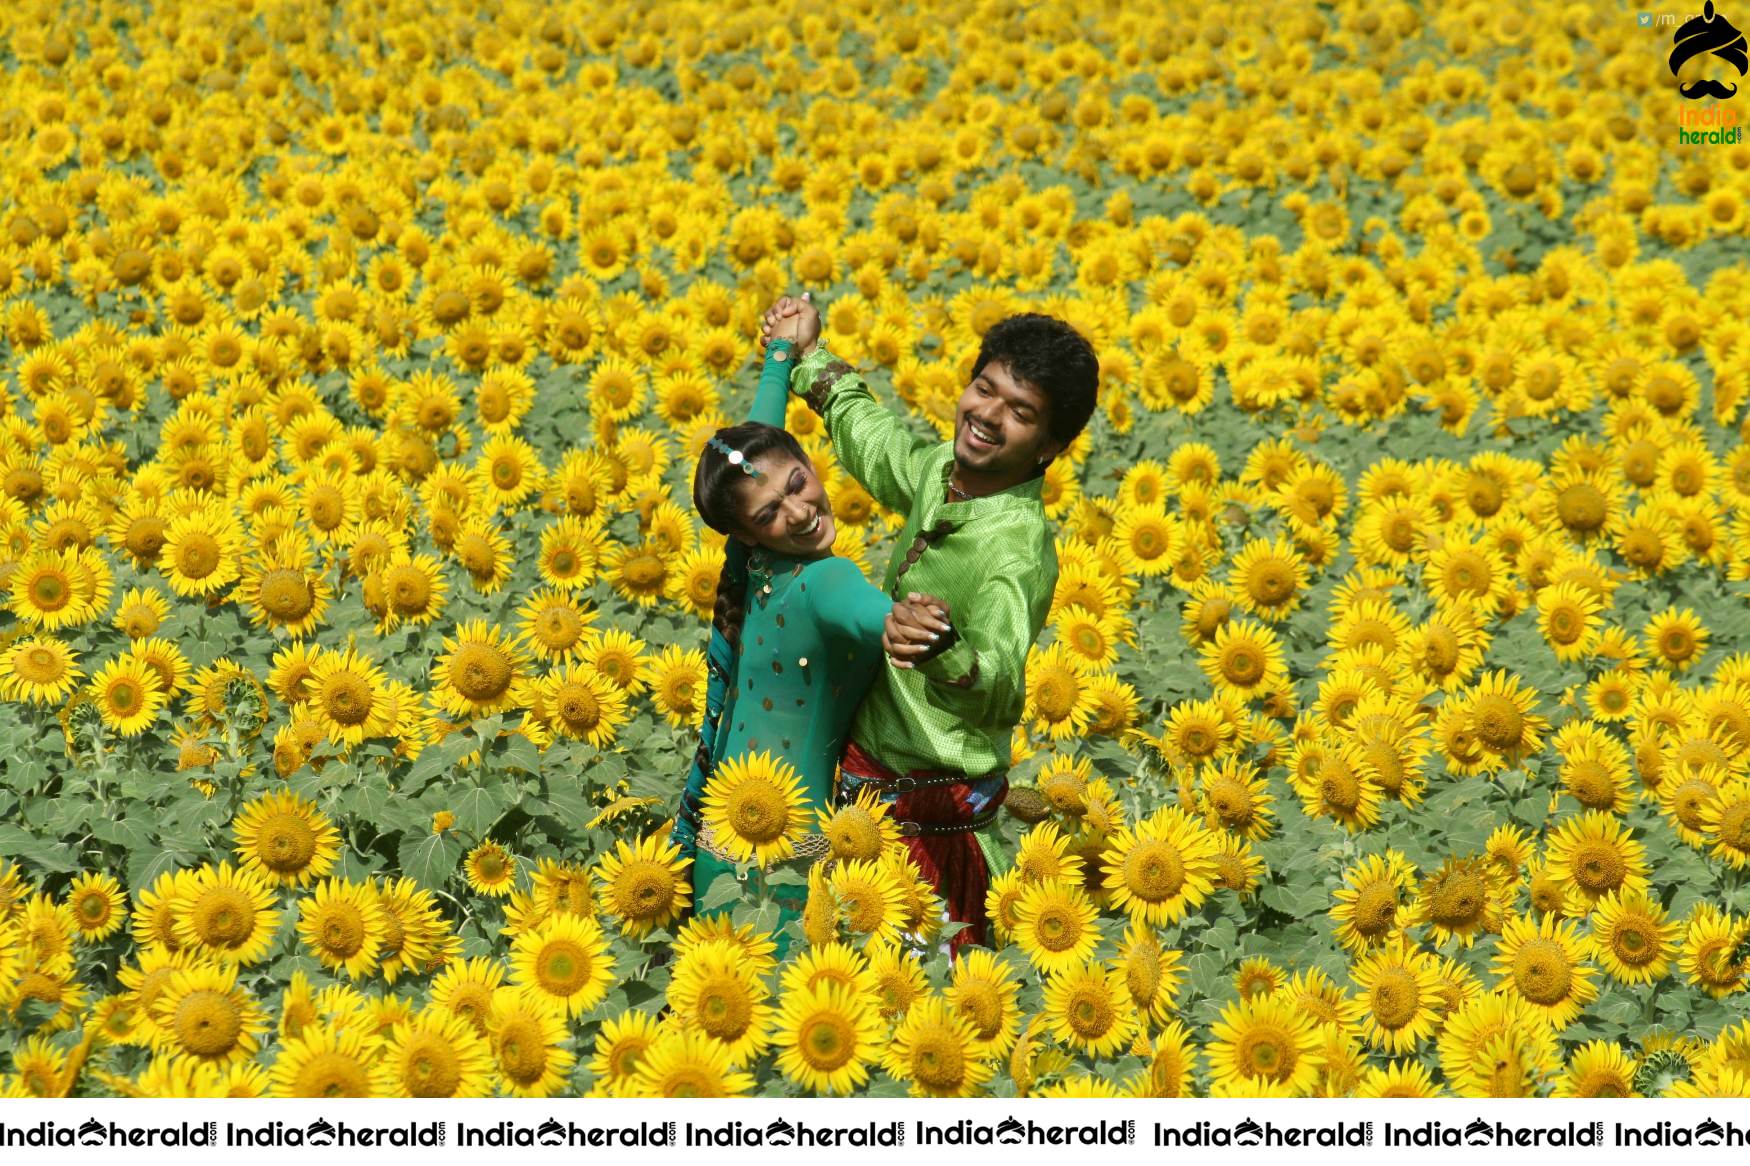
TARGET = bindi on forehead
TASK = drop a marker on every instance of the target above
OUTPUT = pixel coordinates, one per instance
(771, 489)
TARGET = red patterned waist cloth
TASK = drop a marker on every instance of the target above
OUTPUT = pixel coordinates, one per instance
(937, 810)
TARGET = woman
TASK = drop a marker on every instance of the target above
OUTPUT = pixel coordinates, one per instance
(796, 636)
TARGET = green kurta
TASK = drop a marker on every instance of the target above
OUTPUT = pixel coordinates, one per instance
(992, 559)
(810, 645)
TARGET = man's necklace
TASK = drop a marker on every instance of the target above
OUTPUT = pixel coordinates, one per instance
(958, 492)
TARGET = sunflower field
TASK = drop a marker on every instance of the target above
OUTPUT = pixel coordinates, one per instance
(1391, 732)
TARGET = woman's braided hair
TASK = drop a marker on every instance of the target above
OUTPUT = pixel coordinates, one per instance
(716, 489)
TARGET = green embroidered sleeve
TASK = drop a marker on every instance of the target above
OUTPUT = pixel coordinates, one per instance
(872, 443)
(983, 672)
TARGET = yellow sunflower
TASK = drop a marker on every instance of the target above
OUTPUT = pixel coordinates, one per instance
(200, 1012)
(127, 695)
(1161, 867)
(827, 1036)
(564, 959)
(341, 923)
(1261, 1045)
(1597, 856)
(754, 807)
(202, 551)
(1370, 906)
(479, 672)
(1244, 658)
(1055, 925)
(715, 992)
(646, 885)
(1400, 990)
(1090, 1009)
(527, 1037)
(935, 1049)
(1542, 962)
(285, 838)
(436, 1053)
(224, 913)
(40, 669)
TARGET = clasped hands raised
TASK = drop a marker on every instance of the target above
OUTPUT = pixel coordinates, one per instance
(792, 318)
(916, 624)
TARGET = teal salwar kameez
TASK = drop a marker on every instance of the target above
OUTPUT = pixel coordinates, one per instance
(810, 647)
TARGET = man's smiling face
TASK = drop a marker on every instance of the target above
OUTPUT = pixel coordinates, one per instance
(1000, 427)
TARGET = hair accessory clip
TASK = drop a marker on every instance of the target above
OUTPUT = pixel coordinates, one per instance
(735, 456)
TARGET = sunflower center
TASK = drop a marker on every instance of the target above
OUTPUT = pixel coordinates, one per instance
(938, 1061)
(1581, 506)
(341, 930)
(1232, 803)
(208, 1023)
(430, 1066)
(481, 672)
(1395, 999)
(1270, 583)
(1541, 971)
(1055, 696)
(854, 836)
(1677, 644)
(1266, 1051)
(578, 706)
(198, 555)
(1458, 901)
(346, 698)
(1598, 866)
(725, 1008)
(758, 812)
(1498, 720)
(222, 918)
(522, 1054)
(558, 627)
(643, 889)
(1588, 780)
(562, 968)
(286, 844)
(1242, 664)
(1340, 788)
(1632, 942)
(475, 552)
(408, 588)
(644, 572)
(1057, 929)
(93, 908)
(286, 594)
(1090, 1012)
(1376, 909)
(826, 1041)
(1154, 871)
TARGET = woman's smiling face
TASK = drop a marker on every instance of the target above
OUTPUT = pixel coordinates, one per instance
(786, 510)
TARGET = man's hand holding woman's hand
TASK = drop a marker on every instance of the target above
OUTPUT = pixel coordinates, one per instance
(914, 629)
(792, 312)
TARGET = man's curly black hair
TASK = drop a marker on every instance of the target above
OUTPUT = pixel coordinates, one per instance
(1054, 358)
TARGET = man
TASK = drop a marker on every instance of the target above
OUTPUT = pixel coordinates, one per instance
(933, 734)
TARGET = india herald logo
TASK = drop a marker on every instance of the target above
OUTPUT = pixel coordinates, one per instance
(1711, 33)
